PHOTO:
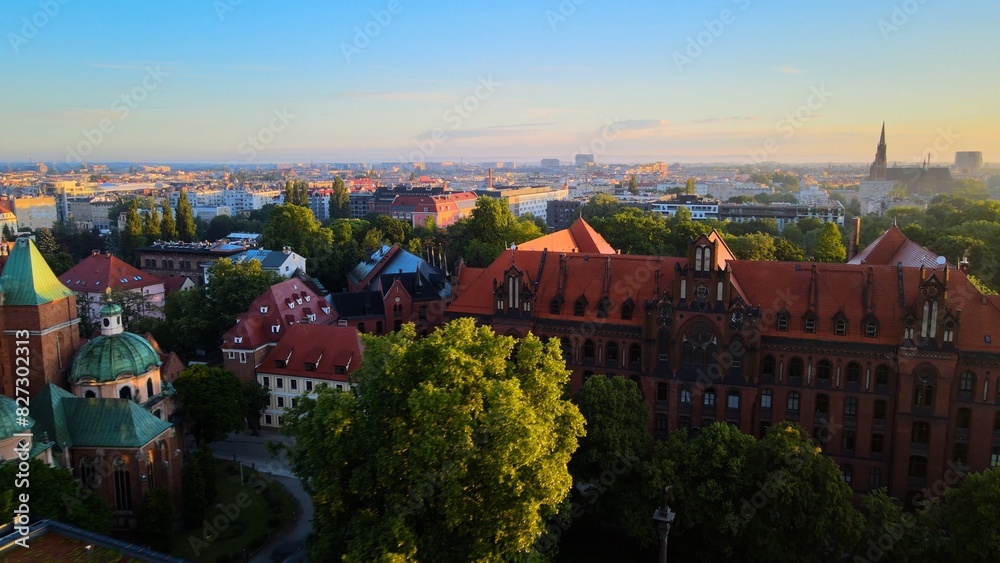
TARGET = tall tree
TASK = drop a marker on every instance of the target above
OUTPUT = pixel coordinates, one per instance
(689, 187)
(257, 399)
(830, 245)
(633, 186)
(156, 520)
(132, 236)
(295, 226)
(340, 200)
(212, 399)
(455, 424)
(185, 219)
(168, 227)
(45, 241)
(151, 225)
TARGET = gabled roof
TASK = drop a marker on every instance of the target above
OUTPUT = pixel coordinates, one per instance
(269, 259)
(329, 348)
(106, 423)
(392, 261)
(97, 272)
(579, 237)
(9, 421)
(253, 327)
(27, 278)
(893, 248)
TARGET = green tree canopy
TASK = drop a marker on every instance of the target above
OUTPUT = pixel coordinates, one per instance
(212, 399)
(295, 226)
(441, 429)
(168, 227)
(54, 494)
(185, 226)
(830, 245)
(340, 200)
(232, 286)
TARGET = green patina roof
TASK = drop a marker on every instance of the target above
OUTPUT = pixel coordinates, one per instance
(105, 358)
(8, 418)
(27, 278)
(99, 423)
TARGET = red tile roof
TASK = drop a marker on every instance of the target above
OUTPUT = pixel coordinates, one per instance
(893, 248)
(97, 272)
(580, 237)
(284, 303)
(315, 351)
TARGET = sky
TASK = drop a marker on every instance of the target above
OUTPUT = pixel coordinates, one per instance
(259, 81)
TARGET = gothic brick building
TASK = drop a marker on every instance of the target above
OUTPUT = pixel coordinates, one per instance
(893, 367)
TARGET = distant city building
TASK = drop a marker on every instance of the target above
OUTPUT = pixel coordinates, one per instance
(969, 161)
(550, 163)
(523, 200)
(185, 259)
(560, 214)
(209, 213)
(444, 209)
(923, 179)
(93, 276)
(34, 212)
(782, 213)
(699, 207)
(361, 203)
(584, 159)
(283, 262)
(879, 166)
(245, 199)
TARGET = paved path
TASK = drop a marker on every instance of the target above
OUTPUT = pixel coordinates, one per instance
(250, 450)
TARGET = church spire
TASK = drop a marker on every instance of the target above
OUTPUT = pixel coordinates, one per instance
(878, 169)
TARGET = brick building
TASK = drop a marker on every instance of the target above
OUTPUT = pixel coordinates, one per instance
(894, 368)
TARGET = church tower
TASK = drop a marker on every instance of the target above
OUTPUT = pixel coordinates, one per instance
(38, 319)
(879, 166)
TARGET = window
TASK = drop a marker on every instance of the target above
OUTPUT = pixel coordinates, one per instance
(793, 401)
(123, 486)
(279, 382)
(875, 478)
(847, 472)
(964, 418)
(579, 307)
(263, 310)
(709, 399)
(782, 324)
(918, 467)
(840, 327)
(661, 422)
(275, 329)
(294, 402)
(849, 439)
(125, 393)
(309, 385)
(555, 306)
(878, 443)
(795, 367)
(882, 375)
(232, 355)
(89, 394)
(281, 401)
(361, 328)
(634, 355)
(767, 365)
(266, 381)
(149, 388)
(378, 327)
(662, 391)
(853, 372)
(765, 399)
(810, 325)
(685, 395)
(824, 368)
(588, 349)
(920, 433)
(871, 329)
(627, 310)
(268, 420)
(961, 454)
(87, 472)
(966, 382)
(851, 406)
(733, 399)
(611, 352)
(822, 404)
(878, 411)
(293, 384)
(995, 458)
(923, 395)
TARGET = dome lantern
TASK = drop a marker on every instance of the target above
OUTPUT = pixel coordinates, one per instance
(111, 320)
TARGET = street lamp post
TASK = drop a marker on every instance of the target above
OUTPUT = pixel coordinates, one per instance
(664, 518)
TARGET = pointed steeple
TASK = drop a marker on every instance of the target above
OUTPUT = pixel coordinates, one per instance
(878, 169)
(27, 279)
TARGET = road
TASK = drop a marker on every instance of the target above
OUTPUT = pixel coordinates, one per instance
(250, 450)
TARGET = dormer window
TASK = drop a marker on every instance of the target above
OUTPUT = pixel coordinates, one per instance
(238, 339)
(782, 322)
(263, 310)
(310, 366)
(949, 331)
(840, 327)
(809, 326)
(280, 364)
(291, 304)
(513, 292)
(871, 328)
(579, 307)
(326, 310)
(299, 300)
(308, 298)
(275, 329)
(555, 306)
(627, 308)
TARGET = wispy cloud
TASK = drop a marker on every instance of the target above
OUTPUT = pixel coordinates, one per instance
(635, 124)
(788, 69)
(405, 96)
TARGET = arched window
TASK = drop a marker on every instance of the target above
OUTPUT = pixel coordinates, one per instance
(90, 394)
(123, 486)
(588, 349)
(822, 404)
(853, 372)
(795, 367)
(663, 345)
(611, 352)
(687, 352)
(627, 308)
(920, 433)
(823, 370)
(149, 387)
(634, 355)
(125, 393)
(87, 472)
(923, 395)
(882, 375)
(767, 365)
(871, 329)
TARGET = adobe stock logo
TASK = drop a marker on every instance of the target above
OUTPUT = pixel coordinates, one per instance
(48, 9)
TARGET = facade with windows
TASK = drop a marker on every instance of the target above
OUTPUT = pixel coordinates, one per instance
(893, 368)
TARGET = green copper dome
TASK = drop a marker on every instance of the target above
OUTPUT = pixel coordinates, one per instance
(105, 358)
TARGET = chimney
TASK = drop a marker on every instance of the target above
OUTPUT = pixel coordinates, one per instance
(963, 265)
(286, 250)
(855, 239)
(490, 184)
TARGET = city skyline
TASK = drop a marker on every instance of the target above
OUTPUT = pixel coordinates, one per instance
(232, 81)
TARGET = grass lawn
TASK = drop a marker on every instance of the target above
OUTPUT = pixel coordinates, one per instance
(260, 505)
(54, 547)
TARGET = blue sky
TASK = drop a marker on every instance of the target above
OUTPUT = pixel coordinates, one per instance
(721, 80)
